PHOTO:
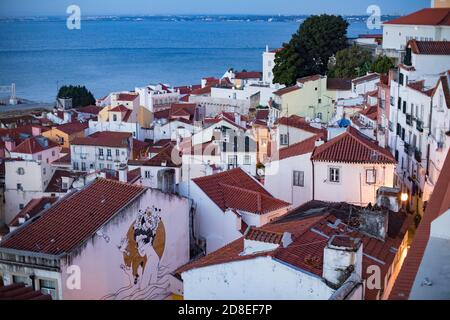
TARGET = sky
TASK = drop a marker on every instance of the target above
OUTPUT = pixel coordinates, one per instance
(158, 7)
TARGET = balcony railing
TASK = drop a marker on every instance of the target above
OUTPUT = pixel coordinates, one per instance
(409, 120)
(418, 155)
(408, 149)
(419, 125)
(391, 126)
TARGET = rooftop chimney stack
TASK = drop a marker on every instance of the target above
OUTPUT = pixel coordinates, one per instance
(342, 257)
(389, 198)
(123, 173)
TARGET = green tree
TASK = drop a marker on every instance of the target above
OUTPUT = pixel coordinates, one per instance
(382, 64)
(81, 96)
(310, 48)
(351, 62)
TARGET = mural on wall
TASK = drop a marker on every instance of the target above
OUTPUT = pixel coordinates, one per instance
(142, 248)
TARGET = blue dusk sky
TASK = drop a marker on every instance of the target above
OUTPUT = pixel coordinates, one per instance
(152, 7)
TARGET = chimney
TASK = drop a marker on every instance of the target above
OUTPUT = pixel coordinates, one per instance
(123, 173)
(342, 257)
(237, 118)
(389, 198)
(267, 48)
(203, 83)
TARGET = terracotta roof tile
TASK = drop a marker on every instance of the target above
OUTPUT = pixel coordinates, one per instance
(235, 189)
(287, 90)
(34, 145)
(427, 16)
(352, 147)
(21, 292)
(126, 97)
(73, 127)
(339, 84)
(248, 75)
(105, 139)
(71, 221)
(303, 147)
(119, 108)
(430, 47)
(300, 123)
(34, 207)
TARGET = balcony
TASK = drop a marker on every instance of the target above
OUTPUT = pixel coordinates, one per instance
(419, 125)
(391, 126)
(408, 149)
(418, 155)
(409, 120)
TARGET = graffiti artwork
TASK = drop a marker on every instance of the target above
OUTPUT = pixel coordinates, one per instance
(142, 248)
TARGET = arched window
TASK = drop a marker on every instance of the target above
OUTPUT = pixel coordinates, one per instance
(247, 144)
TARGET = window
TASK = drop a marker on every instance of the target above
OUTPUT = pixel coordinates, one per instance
(319, 101)
(247, 160)
(21, 206)
(21, 171)
(44, 171)
(48, 287)
(232, 160)
(284, 139)
(101, 166)
(19, 186)
(100, 152)
(109, 166)
(319, 115)
(108, 153)
(83, 166)
(40, 157)
(53, 153)
(235, 144)
(371, 176)
(75, 166)
(334, 175)
(148, 175)
(117, 152)
(247, 144)
(298, 179)
(114, 117)
(22, 279)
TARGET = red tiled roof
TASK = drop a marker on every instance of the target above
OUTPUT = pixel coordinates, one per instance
(21, 292)
(438, 204)
(260, 235)
(126, 97)
(303, 147)
(427, 17)
(34, 145)
(105, 139)
(284, 91)
(71, 221)
(235, 189)
(300, 123)
(201, 91)
(182, 110)
(370, 112)
(310, 235)
(119, 108)
(163, 158)
(248, 75)
(63, 160)
(162, 114)
(262, 114)
(368, 77)
(309, 78)
(430, 47)
(352, 147)
(90, 109)
(34, 207)
(55, 184)
(339, 84)
(73, 127)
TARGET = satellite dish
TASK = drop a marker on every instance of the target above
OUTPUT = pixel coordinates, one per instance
(260, 172)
